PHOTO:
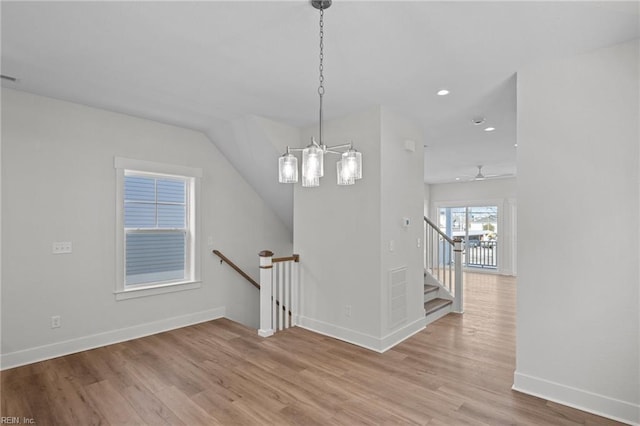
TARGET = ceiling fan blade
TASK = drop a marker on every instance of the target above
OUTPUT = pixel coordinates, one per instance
(504, 175)
(481, 176)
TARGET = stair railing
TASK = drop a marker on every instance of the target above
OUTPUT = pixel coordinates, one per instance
(279, 287)
(235, 267)
(443, 260)
(279, 281)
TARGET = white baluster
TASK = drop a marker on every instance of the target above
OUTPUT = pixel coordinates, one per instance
(280, 298)
(274, 298)
(287, 293)
(295, 291)
(450, 260)
(458, 301)
(438, 257)
(266, 324)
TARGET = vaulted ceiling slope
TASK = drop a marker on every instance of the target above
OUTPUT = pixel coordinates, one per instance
(195, 64)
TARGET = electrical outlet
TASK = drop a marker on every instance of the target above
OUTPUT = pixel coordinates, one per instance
(61, 247)
(347, 310)
(55, 321)
(418, 242)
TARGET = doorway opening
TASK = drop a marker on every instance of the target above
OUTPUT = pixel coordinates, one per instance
(478, 228)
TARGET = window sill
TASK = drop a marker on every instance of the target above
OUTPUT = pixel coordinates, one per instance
(158, 289)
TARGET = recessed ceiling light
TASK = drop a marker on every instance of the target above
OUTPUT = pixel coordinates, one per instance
(457, 178)
(489, 129)
(515, 144)
(443, 92)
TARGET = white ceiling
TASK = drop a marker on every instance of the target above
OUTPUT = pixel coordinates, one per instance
(194, 63)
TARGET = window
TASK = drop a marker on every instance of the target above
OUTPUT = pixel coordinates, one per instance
(156, 228)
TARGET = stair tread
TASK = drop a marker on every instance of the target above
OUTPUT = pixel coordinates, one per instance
(435, 304)
(428, 288)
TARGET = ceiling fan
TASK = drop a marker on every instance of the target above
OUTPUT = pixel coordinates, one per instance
(481, 176)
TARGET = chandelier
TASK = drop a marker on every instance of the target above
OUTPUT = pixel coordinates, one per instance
(348, 168)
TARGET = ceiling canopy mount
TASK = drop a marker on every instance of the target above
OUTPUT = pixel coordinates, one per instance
(321, 4)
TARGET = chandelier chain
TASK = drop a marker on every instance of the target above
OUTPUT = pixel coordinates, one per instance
(348, 167)
(321, 72)
(321, 67)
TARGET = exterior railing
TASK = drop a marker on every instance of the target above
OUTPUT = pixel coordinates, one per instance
(482, 254)
(279, 292)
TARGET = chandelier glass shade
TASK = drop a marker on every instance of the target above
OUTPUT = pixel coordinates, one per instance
(348, 168)
(352, 161)
(288, 168)
(312, 161)
(344, 177)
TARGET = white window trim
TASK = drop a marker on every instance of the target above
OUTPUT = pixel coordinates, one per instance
(122, 293)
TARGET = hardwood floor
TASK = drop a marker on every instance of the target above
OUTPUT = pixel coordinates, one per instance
(458, 371)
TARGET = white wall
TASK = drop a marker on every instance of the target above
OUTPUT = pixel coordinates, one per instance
(578, 215)
(401, 197)
(342, 233)
(336, 231)
(497, 192)
(474, 191)
(252, 145)
(58, 184)
(427, 199)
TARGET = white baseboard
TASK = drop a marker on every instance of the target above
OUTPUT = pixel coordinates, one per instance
(53, 350)
(398, 336)
(590, 402)
(357, 338)
(265, 333)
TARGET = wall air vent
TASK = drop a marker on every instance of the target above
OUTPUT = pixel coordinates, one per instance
(397, 297)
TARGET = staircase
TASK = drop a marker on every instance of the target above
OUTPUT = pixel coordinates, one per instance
(435, 307)
(443, 273)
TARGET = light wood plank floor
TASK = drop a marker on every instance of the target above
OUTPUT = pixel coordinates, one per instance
(458, 371)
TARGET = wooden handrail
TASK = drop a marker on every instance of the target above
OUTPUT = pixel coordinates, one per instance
(437, 229)
(295, 258)
(237, 269)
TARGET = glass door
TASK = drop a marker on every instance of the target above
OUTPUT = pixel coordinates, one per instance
(478, 228)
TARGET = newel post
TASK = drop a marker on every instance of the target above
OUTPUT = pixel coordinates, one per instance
(457, 253)
(266, 326)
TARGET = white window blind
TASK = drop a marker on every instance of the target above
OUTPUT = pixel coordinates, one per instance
(155, 218)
